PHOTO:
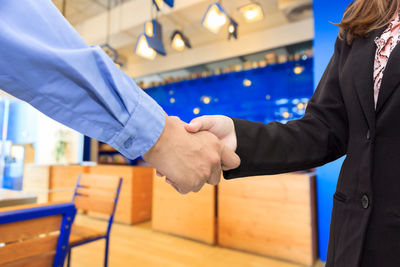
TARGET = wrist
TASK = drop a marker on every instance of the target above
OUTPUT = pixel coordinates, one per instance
(163, 141)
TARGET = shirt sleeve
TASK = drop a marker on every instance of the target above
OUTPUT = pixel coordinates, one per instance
(45, 62)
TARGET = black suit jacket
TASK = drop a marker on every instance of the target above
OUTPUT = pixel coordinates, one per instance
(341, 120)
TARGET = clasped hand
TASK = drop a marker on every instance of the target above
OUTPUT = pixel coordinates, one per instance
(190, 155)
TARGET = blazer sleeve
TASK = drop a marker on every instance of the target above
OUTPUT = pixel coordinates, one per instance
(316, 139)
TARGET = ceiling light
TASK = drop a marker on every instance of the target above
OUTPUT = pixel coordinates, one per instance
(155, 40)
(179, 41)
(148, 28)
(169, 2)
(143, 49)
(150, 42)
(252, 12)
(214, 18)
(159, 4)
(232, 29)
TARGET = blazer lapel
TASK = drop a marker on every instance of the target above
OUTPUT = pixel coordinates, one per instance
(364, 54)
(391, 78)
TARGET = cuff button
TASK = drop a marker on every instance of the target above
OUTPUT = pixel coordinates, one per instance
(128, 143)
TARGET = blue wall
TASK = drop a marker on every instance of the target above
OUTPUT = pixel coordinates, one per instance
(261, 95)
(325, 11)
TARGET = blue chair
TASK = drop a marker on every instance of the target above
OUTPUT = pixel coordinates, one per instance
(35, 235)
(99, 194)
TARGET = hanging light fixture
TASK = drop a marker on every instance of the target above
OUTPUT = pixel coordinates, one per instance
(160, 3)
(252, 12)
(214, 18)
(179, 41)
(232, 29)
(150, 42)
(107, 48)
(143, 49)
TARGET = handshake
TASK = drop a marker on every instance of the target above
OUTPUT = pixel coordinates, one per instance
(190, 155)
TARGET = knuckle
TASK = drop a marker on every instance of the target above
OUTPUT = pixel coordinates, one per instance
(215, 159)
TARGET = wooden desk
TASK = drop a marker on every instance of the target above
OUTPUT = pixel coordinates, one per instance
(192, 215)
(14, 198)
(270, 215)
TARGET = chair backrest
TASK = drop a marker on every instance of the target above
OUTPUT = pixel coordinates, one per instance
(97, 193)
(35, 235)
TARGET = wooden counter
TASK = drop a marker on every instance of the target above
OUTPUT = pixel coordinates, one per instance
(270, 215)
(57, 183)
(192, 216)
(15, 198)
(134, 204)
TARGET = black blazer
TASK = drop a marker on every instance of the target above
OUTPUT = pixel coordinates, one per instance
(340, 120)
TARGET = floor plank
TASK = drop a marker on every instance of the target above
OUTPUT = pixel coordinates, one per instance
(140, 246)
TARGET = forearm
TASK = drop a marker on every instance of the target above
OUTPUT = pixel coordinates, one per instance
(278, 148)
(47, 64)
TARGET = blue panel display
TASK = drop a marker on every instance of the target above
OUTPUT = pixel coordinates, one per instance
(325, 36)
(274, 92)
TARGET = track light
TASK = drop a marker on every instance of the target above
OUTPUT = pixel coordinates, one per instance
(214, 18)
(150, 42)
(232, 29)
(179, 41)
(112, 53)
(143, 49)
(252, 12)
(160, 3)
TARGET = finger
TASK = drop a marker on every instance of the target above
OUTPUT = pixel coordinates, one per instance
(197, 189)
(203, 123)
(215, 176)
(229, 159)
(170, 182)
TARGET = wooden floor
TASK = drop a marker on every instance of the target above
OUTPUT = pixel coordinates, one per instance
(140, 246)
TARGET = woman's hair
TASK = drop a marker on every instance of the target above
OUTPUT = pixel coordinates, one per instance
(363, 16)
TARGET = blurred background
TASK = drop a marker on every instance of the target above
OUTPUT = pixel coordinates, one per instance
(256, 60)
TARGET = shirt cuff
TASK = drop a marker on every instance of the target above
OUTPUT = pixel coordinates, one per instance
(142, 129)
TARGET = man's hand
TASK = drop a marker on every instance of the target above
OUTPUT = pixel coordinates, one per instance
(221, 126)
(189, 159)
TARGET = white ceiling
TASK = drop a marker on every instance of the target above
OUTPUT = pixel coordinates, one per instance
(187, 19)
(78, 11)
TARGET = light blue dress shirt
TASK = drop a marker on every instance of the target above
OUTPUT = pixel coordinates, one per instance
(45, 62)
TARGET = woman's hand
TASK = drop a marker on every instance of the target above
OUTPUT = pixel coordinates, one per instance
(221, 126)
(189, 159)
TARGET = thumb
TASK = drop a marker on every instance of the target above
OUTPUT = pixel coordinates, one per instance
(203, 123)
(229, 159)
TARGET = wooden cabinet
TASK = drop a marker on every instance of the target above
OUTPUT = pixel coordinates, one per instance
(134, 204)
(269, 215)
(63, 181)
(192, 215)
